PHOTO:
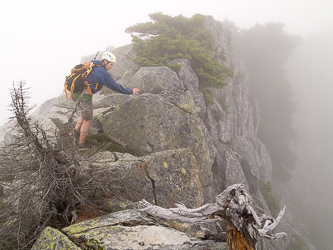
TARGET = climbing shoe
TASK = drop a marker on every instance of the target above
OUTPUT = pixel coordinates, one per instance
(83, 146)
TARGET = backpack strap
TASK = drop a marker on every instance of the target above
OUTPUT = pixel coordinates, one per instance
(87, 89)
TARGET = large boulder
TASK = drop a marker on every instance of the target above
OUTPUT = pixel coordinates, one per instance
(147, 124)
(155, 80)
(129, 229)
(163, 178)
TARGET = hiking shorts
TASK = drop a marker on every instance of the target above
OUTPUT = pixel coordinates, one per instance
(84, 106)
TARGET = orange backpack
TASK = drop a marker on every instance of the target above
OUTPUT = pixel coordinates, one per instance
(76, 81)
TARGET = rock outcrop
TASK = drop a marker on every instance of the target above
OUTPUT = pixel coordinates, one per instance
(163, 177)
(191, 151)
(128, 229)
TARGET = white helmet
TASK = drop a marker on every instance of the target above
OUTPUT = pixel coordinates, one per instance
(109, 57)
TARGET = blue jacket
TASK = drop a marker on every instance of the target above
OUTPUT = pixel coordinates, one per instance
(99, 77)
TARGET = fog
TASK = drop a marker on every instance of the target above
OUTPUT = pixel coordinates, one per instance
(311, 74)
(42, 40)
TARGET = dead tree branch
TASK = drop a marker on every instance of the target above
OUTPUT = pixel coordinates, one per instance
(42, 182)
(234, 205)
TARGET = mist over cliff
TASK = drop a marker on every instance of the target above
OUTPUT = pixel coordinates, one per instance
(310, 71)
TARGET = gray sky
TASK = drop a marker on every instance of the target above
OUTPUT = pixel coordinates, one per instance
(42, 40)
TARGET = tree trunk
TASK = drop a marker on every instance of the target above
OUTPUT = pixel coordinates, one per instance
(236, 241)
(234, 205)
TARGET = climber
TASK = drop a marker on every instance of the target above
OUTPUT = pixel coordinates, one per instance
(98, 77)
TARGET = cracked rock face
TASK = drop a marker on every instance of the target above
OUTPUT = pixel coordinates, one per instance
(163, 178)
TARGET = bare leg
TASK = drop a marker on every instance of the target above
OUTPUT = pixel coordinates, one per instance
(84, 130)
(79, 123)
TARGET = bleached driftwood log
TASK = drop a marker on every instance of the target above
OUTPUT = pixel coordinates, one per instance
(234, 205)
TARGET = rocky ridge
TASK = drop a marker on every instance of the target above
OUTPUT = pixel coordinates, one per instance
(192, 151)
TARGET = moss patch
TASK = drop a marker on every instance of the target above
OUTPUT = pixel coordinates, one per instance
(175, 67)
(54, 239)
